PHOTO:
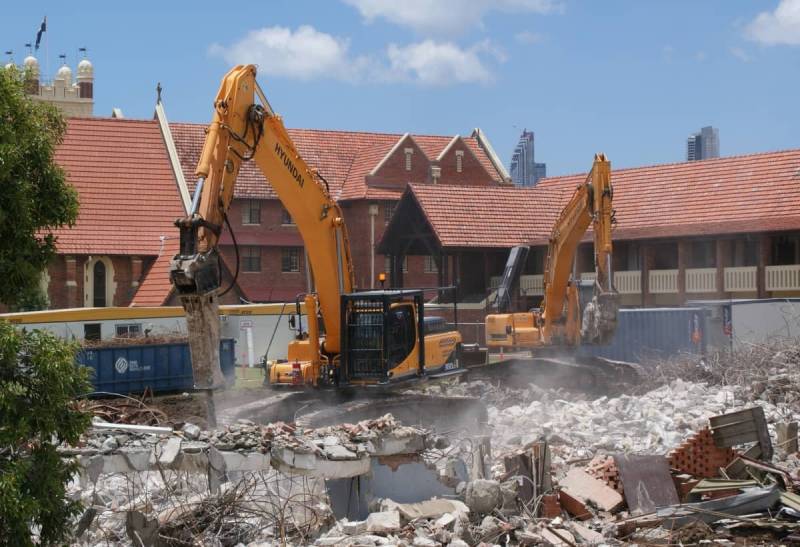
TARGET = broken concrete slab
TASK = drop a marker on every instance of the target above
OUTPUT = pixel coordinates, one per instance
(587, 489)
(169, 451)
(383, 522)
(483, 495)
(429, 509)
(587, 535)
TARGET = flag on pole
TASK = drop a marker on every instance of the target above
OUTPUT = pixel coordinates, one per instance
(42, 28)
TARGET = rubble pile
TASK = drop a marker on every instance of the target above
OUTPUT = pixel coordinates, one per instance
(685, 461)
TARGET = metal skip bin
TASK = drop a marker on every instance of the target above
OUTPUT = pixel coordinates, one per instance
(161, 367)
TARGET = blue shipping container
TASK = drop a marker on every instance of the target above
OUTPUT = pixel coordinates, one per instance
(655, 332)
(161, 367)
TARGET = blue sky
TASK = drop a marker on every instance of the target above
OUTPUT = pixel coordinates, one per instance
(629, 78)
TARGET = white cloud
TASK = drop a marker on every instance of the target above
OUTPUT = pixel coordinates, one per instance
(308, 54)
(440, 63)
(446, 16)
(303, 54)
(781, 26)
(527, 37)
(741, 54)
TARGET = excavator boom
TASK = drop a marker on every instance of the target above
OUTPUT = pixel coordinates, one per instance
(561, 320)
(242, 130)
(385, 339)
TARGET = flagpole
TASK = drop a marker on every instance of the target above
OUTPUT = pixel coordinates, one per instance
(46, 48)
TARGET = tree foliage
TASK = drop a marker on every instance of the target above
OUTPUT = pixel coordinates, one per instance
(38, 383)
(35, 197)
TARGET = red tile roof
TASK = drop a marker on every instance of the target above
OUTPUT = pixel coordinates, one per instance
(485, 216)
(156, 287)
(344, 158)
(128, 195)
(753, 193)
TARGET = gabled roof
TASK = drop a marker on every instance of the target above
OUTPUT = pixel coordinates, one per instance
(156, 287)
(128, 196)
(344, 158)
(753, 193)
(485, 216)
(740, 194)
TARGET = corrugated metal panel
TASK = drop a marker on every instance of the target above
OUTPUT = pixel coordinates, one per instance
(160, 367)
(655, 332)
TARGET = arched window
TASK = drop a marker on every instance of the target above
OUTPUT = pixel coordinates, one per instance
(99, 280)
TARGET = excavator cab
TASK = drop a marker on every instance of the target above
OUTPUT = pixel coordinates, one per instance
(386, 338)
(381, 336)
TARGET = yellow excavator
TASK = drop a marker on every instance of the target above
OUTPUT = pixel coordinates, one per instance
(569, 315)
(362, 338)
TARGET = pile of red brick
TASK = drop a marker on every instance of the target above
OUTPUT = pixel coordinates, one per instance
(699, 456)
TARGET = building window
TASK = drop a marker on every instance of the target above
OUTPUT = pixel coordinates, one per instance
(290, 259)
(388, 211)
(286, 218)
(387, 264)
(251, 212)
(459, 160)
(129, 330)
(99, 286)
(408, 152)
(745, 252)
(99, 279)
(703, 254)
(251, 259)
(92, 331)
(430, 264)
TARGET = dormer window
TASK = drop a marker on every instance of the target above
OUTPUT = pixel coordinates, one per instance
(459, 160)
(408, 152)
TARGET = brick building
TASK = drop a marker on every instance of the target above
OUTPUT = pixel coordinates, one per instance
(717, 229)
(118, 252)
(367, 173)
(119, 249)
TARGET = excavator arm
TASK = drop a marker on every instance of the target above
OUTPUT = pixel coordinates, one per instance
(590, 205)
(243, 130)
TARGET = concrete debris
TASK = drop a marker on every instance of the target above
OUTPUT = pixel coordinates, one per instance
(191, 431)
(441, 509)
(383, 522)
(549, 468)
(589, 490)
(483, 496)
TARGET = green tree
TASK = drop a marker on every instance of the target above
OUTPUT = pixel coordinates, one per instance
(38, 383)
(35, 197)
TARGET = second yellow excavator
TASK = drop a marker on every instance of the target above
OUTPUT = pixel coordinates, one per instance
(561, 320)
(366, 338)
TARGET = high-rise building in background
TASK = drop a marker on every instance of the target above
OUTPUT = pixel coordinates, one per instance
(703, 145)
(524, 169)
